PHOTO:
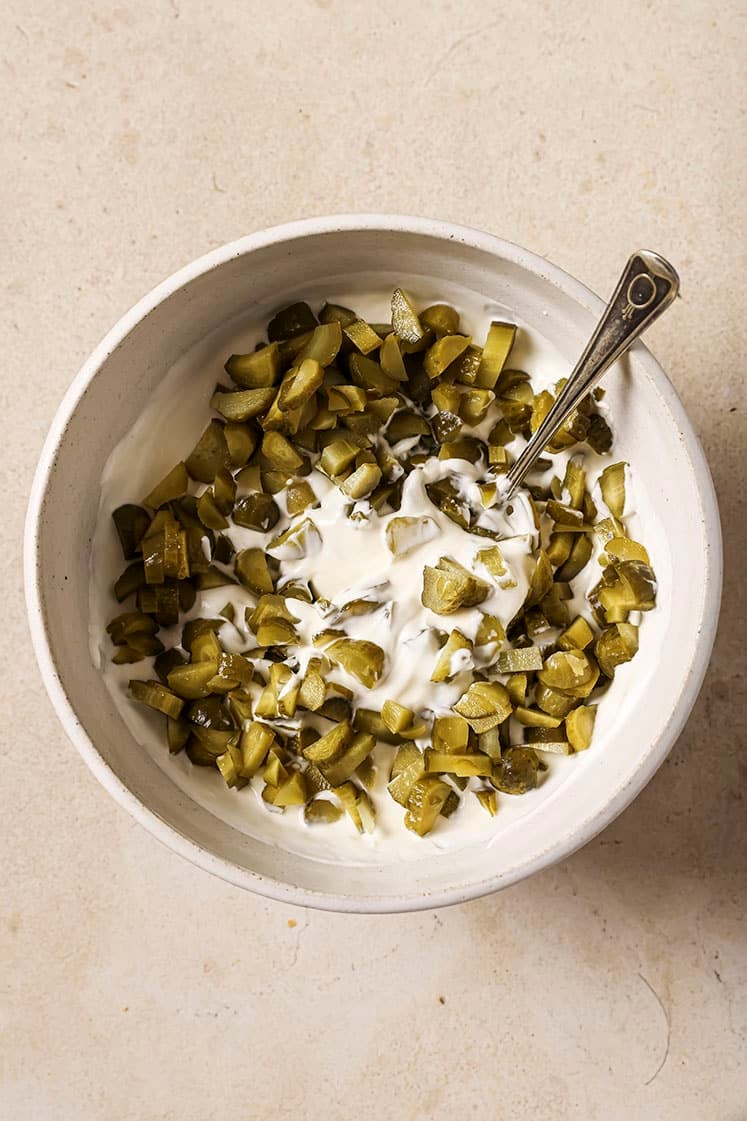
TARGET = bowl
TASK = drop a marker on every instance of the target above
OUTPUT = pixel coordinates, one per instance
(351, 253)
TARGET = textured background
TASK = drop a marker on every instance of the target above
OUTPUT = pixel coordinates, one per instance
(135, 137)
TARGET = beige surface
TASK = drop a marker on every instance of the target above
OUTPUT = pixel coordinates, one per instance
(136, 136)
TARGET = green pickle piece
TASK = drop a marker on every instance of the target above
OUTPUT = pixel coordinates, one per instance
(425, 803)
(257, 370)
(291, 321)
(209, 455)
(173, 485)
(131, 523)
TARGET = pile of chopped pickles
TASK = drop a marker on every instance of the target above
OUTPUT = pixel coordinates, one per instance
(337, 395)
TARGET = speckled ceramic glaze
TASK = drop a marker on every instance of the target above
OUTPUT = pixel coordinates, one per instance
(652, 432)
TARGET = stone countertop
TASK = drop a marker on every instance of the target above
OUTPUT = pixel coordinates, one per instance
(135, 987)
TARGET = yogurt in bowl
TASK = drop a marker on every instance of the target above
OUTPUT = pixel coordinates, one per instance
(149, 388)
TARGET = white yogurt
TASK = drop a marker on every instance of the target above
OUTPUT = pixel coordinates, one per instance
(352, 561)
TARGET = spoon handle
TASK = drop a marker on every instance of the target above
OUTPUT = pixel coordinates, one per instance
(647, 287)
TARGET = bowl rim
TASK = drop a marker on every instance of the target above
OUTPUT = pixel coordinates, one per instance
(168, 834)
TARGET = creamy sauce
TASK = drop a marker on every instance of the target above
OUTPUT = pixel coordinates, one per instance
(350, 560)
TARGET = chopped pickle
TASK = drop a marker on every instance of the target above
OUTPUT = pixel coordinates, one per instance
(473, 408)
(517, 688)
(541, 580)
(517, 771)
(337, 456)
(209, 455)
(224, 491)
(410, 770)
(564, 516)
(443, 352)
(391, 360)
(495, 352)
(554, 746)
(553, 702)
(330, 747)
(366, 773)
(612, 484)
(323, 345)
(344, 399)
(392, 417)
(290, 322)
(578, 558)
(368, 375)
(520, 660)
(292, 791)
(489, 630)
(363, 660)
(209, 513)
(321, 810)
(313, 691)
(257, 370)
(362, 481)
(579, 726)
(157, 696)
(256, 511)
(299, 541)
(405, 534)
(441, 319)
(253, 572)
(427, 798)
(363, 337)
(300, 385)
(357, 805)
(464, 368)
(599, 434)
(614, 646)
(191, 681)
(177, 734)
(255, 742)
(465, 447)
(280, 453)
(454, 657)
(623, 549)
(242, 404)
(405, 322)
(368, 720)
(534, 718)
(356, 752)
(489, 743)
(473, 765)
(172, 486)
(485, 705)
(448, 587)
(396, 716)
(298, 497)
(228, 764)
(607, 529)
(566, 669)
(577, 636)
(131, 523)
(493, 560)
(335, 313)
(450, 734)
(559, 548)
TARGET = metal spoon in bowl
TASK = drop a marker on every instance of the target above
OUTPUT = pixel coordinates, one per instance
(647, 287)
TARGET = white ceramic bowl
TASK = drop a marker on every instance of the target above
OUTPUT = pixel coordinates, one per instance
(652, 432)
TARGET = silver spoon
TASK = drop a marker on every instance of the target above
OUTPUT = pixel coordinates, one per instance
(647, 287)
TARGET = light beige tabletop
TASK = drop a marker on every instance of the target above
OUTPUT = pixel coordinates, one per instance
(136, 135)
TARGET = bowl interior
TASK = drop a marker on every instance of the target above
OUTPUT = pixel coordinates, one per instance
(647, 703)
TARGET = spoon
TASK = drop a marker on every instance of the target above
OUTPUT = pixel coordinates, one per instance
(647, 287)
